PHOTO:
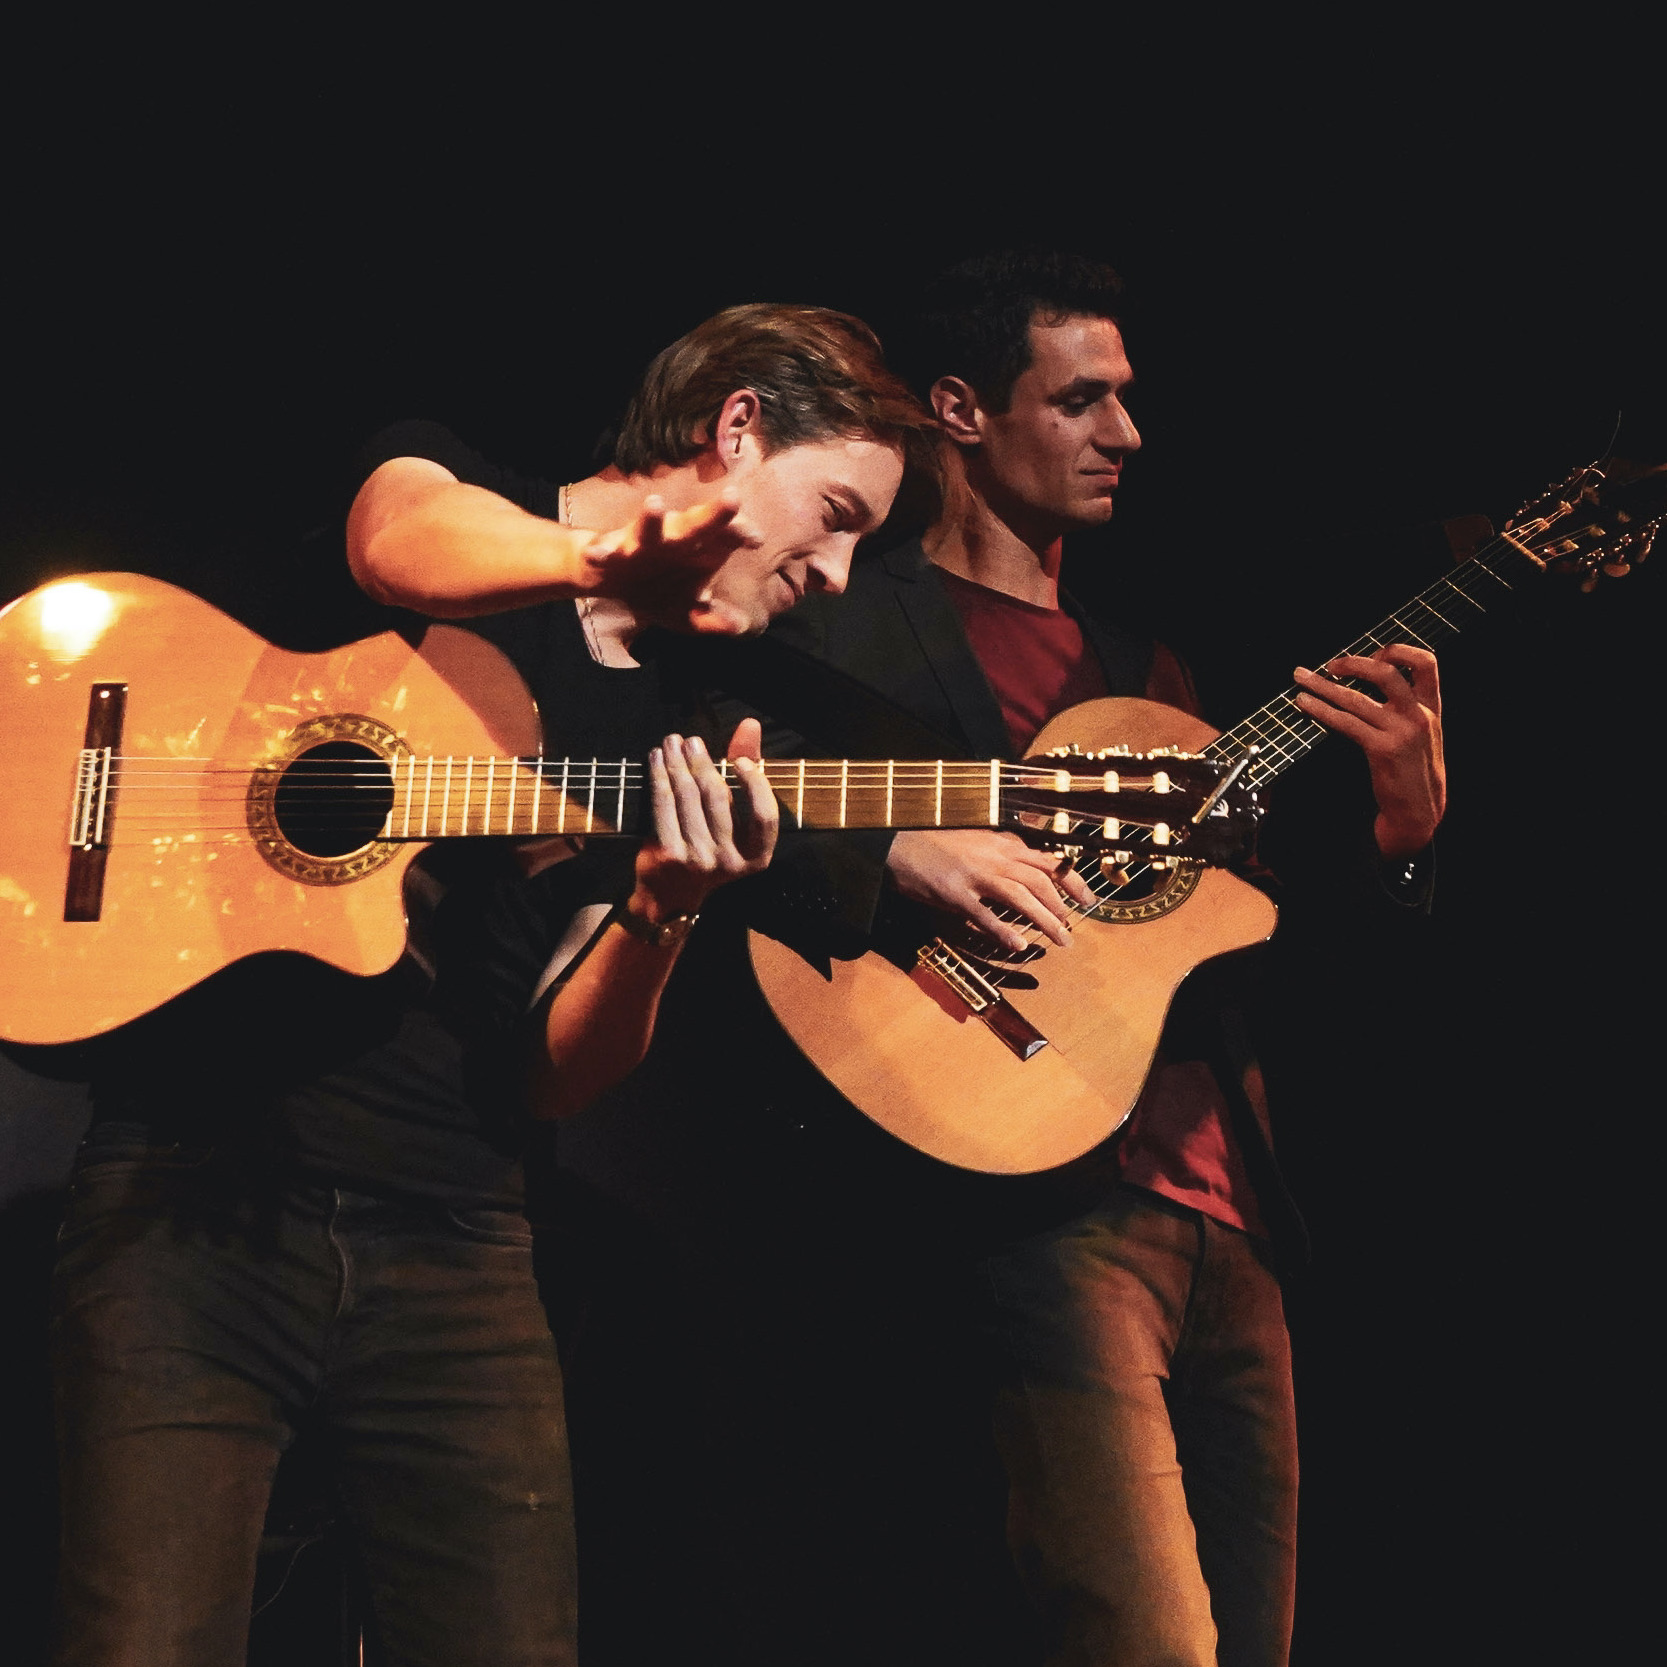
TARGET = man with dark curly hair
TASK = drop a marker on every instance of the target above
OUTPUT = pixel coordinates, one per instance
(1144, 1414)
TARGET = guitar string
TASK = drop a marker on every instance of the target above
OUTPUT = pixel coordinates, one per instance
(967, 774)
(499, 824)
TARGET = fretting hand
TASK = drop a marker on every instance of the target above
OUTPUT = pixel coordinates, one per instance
(965, 870)
(1400, 735)
(699, 844)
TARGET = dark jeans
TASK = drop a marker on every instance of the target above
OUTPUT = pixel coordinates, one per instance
(200, 1322)
(1149, 1435)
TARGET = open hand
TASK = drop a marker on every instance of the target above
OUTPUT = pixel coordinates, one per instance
(699, 843)
(966, 870)
(1400, 735)
(662, 563)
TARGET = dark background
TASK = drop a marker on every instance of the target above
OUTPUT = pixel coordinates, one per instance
(1356, 307)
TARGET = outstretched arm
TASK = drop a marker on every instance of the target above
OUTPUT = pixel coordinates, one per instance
(418, 537)
(594, 1028)
(1400, 735)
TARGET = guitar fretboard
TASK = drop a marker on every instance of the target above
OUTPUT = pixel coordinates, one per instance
(1284, 733)
(447, 798)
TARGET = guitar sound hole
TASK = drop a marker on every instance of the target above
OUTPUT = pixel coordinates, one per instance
(1130, 882)
(334, 799)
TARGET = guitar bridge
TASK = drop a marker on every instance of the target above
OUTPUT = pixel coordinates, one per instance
(94, 808)
(981, 997)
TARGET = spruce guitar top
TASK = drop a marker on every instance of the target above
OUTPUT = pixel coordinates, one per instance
(179, 793)
(1011, 1064)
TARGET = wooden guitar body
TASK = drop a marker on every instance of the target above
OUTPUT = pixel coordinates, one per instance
(195, 875)
(902, 1047)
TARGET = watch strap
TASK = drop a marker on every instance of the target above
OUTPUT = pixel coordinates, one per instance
(661, 934)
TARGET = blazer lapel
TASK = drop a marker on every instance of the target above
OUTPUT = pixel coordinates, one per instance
(1125, 658)
(943, 643)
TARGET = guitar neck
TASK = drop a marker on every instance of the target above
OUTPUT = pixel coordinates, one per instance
(449, 798)
(1283, 733)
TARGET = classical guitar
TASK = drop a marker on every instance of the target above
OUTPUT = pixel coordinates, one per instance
(1015, 1063)
(178, 794)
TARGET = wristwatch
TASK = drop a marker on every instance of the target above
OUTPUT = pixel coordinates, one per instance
(662, 934)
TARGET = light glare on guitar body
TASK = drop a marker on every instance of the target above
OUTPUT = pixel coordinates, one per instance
(73, 616)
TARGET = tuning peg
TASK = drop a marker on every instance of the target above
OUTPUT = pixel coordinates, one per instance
(1617, 569)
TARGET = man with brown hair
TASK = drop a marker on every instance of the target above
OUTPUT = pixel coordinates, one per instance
(759, 448)
(299, 1211)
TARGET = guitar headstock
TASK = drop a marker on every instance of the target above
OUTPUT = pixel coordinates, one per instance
(1600, 522)
(1173, 803)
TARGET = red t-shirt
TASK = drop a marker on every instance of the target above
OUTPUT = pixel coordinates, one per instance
(1035, 658)
(1179, 1140)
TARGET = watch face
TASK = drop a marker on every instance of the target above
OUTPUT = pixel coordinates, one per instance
(660, 933)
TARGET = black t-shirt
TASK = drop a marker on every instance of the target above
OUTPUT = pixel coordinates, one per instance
(409, 1083)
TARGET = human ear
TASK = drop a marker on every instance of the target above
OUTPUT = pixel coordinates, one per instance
(955, 403)
(736, 423)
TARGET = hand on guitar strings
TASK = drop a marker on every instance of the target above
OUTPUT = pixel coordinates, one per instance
(661, 564)
(595, 1024)
(966, 870)
(699, 842)
(1400, 735)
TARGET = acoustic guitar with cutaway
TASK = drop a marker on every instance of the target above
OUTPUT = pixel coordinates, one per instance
(179, 794)
(1013, 1063)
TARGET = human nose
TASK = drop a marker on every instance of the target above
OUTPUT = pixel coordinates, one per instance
(1118, 434)
(830, 569)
